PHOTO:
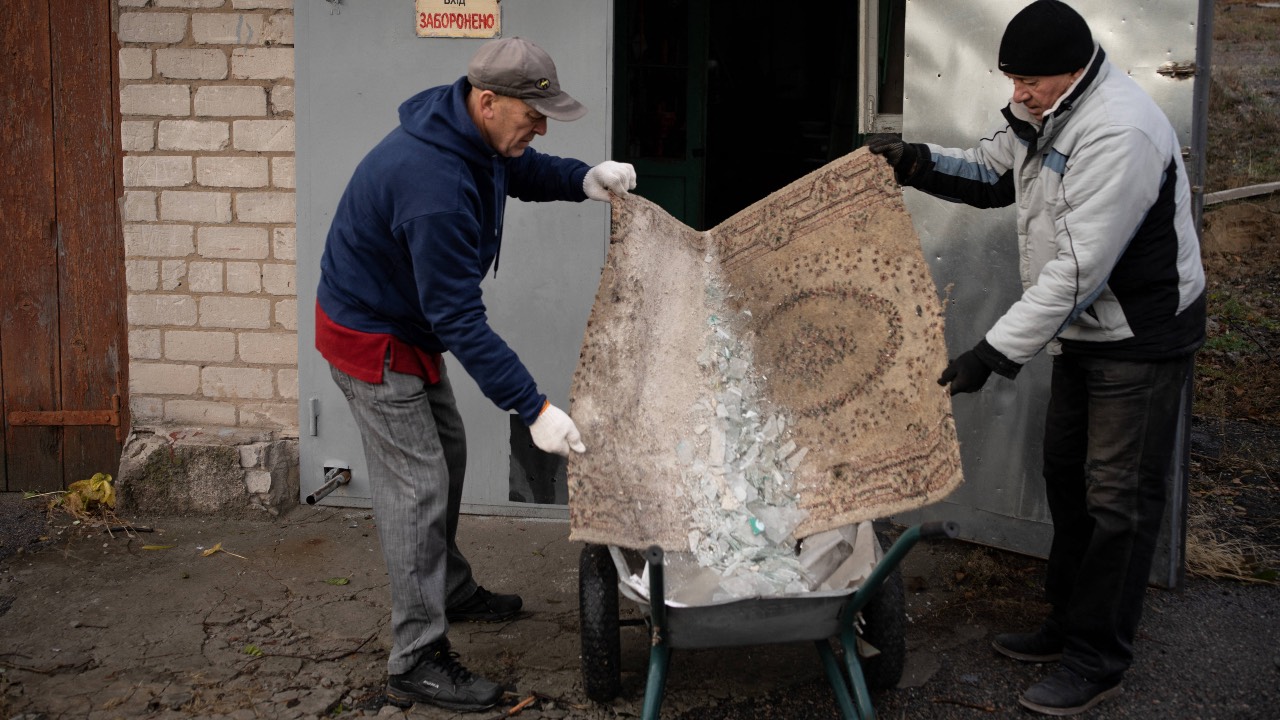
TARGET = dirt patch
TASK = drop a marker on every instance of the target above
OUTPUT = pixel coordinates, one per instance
(23, 525)
(1235, 231)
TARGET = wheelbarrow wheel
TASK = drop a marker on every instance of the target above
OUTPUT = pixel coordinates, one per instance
(598, 616)
(885, 630)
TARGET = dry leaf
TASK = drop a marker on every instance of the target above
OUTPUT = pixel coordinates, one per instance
(156, 547)
(217, 549)
(97, 490)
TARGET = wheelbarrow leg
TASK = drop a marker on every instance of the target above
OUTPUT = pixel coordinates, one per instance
(659, 658)
(849, 641)
(659, 651)
(836, 678)
(848, 615)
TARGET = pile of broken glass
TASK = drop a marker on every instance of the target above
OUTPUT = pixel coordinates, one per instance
(737, 468)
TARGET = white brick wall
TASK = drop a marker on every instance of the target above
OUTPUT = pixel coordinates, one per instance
(207, 131)
(137, 135)
(139, 206)
(147, 240)
(155, 100)
(188, 64)
(225, 101)
(193, 135)
(157, 171)
(228, 29)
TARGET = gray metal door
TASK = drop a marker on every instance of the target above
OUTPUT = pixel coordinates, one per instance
(953, 94)
(356, 62)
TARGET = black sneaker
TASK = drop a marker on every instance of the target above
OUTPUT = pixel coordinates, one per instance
(1037, 647)
(1066, 693)
(439, 679)
(485, 606)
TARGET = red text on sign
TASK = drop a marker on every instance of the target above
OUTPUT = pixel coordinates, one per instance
(457, 21)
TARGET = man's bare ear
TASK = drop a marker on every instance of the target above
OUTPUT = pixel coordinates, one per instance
(487, 100)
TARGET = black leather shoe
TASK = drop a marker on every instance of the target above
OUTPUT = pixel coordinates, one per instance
(1066, 693)
(442, 681)
(485, 606)
(1036, 647)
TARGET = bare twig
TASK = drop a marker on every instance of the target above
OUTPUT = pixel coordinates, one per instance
(127, 528)
(1245, 330)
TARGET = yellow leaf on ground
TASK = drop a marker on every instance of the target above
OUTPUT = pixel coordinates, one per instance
(156, 547)
(218, 548)
(97, 490)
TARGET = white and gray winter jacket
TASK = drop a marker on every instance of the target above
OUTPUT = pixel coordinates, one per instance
(1109, 254)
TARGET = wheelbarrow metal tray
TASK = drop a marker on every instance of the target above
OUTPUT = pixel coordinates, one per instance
(757, 621)
(842, 560)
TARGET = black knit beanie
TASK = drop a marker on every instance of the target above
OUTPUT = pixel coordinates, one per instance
(1046, 37)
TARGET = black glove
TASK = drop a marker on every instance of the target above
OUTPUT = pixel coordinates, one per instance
(969, 372)
(900, 156)
(966, 373)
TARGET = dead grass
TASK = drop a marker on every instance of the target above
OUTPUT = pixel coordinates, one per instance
(987, 569)
(1215, 554)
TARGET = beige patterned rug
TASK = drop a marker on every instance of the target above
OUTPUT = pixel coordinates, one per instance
(781, 365)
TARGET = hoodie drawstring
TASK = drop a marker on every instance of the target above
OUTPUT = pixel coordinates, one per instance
(499, 204)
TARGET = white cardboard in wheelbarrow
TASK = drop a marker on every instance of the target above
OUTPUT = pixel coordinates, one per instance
(838, 561)
(767, 380)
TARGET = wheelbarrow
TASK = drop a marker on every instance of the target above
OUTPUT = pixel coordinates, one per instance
(871, 615)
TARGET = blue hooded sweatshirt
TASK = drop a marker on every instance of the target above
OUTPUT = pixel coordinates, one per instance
(417, 229)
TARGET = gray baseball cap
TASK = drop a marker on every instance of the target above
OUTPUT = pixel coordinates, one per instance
(517, 68)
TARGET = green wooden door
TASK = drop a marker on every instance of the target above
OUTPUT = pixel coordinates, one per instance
(659, 119)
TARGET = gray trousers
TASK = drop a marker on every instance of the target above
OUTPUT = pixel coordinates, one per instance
(416, 451)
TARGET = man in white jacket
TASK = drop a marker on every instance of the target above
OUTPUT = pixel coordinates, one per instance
(1114, 289)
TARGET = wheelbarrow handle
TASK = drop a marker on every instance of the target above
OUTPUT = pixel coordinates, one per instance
(657, 595)
(893, 555)
(653, 555)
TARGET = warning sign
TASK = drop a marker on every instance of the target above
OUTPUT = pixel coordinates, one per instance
(458, 18)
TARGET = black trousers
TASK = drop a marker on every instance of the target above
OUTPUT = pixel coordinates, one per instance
(1110, 434)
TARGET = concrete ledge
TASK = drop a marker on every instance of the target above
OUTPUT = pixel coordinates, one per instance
(227, 472)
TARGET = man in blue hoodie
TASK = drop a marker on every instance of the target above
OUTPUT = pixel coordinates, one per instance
(418, 227)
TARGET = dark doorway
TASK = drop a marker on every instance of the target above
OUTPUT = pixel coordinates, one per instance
(719, 104)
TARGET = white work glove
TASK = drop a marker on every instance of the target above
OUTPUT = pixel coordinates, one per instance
(554, 432)
(609, 177)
